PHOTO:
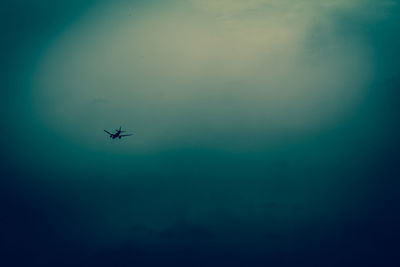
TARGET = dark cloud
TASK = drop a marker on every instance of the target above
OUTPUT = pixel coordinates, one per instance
(185, 231)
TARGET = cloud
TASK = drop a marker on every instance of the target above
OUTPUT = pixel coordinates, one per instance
(99, 100)
(226, 74)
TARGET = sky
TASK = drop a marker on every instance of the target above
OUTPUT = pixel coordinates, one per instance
(265, 133)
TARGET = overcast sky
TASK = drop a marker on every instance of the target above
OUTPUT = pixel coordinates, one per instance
(260, 127)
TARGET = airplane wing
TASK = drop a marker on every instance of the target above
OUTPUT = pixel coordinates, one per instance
(123, 135)
(108, 132)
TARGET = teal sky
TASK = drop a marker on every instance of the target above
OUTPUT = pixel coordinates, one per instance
(202, 73)
(261, 128)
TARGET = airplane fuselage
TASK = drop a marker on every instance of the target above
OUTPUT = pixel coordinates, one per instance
(116, 135)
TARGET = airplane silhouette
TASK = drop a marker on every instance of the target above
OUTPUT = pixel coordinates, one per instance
(117, 134)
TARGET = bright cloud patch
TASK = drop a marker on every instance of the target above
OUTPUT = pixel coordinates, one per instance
(227, 74)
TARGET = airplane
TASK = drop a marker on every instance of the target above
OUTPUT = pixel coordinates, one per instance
(117, 134)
